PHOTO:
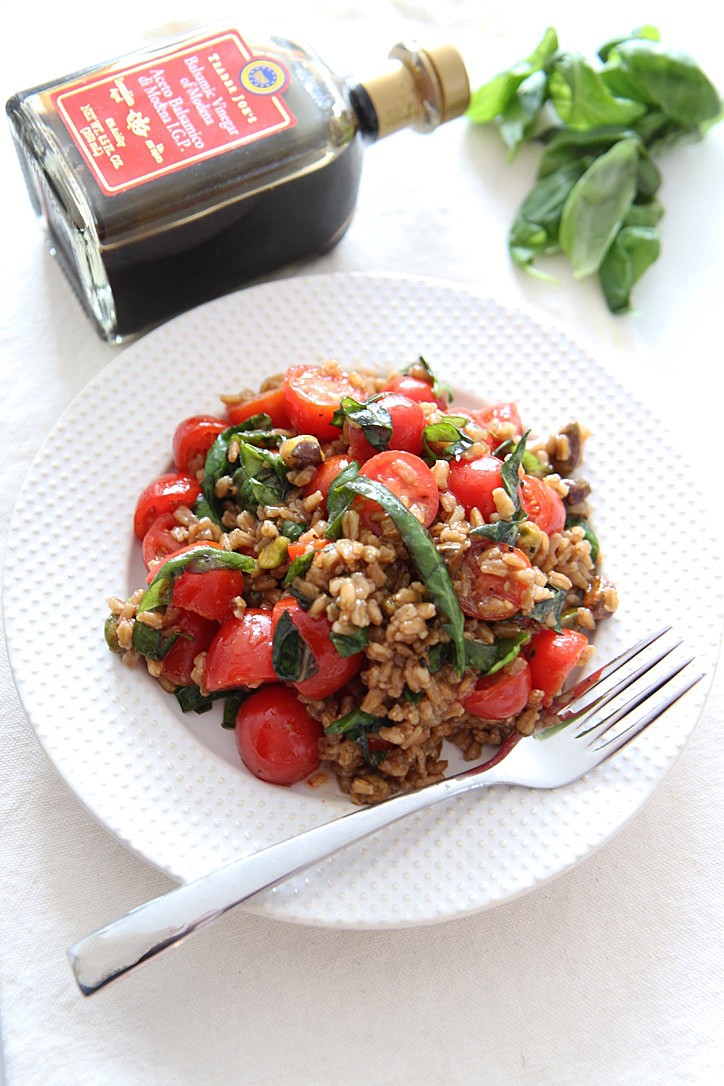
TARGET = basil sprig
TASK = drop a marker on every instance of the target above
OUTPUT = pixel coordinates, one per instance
(255, 431)
(602, 124)
(424, 554)
(201, 559)
(372, 417)
(292, 658)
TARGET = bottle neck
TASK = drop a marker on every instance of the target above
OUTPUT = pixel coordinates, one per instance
(420, 89)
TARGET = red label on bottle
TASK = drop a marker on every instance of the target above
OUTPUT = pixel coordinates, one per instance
(181, 107)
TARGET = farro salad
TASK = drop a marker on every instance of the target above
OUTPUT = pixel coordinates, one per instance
(360, 571)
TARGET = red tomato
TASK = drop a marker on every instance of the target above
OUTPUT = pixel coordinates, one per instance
(409, 478)
(408, 422)
(210, 593)
(296, 550)
(502, 695)
(552, 656)
(163, 495)
(414, 388)
(158, 542)
(334, 671)
(544, 507)
(241, 652)
(312, 394)
(196, 635)
(193, 439)
(326, 473)
(486, 595)
(501, 412)
(277, 739)
(271, 403)
(473, 482)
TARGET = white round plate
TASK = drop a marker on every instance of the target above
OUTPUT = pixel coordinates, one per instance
(171, 786)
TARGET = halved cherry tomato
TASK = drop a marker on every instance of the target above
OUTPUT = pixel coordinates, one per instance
(296, 550)
(272, 403)
(544, 507)
(552, 656)
(414, 388)
(196, 635)
(193, 439)
(277, 739)
(490, 596)
(312, 394)
(209, 594)
(473, 482)
(158, 542)
(163, 495)
(408, 422)
(326, 473)
(501, 412)
(409, 478)
(241, 652)
(334, 671)
(502, 695)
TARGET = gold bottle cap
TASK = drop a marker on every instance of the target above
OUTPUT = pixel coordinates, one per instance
(424, 89)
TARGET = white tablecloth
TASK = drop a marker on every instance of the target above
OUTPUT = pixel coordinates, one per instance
(611, 973)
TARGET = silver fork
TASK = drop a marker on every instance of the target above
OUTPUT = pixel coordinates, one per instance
(575, 740)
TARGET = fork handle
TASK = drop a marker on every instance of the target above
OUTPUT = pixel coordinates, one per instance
(164, 921)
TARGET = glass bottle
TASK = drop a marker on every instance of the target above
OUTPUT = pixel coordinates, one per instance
(175, 174)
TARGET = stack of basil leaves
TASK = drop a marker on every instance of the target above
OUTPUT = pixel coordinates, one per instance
(601, 127)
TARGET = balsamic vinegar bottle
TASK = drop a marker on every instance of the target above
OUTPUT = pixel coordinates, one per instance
(175, 174)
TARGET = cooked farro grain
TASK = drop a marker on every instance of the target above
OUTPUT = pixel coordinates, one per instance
(378, 659)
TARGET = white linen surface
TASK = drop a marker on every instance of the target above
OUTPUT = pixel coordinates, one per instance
(613, 972)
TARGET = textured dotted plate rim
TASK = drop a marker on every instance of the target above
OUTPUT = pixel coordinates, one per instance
(171, 788)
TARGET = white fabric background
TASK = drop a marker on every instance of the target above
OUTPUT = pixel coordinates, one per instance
(611, 974)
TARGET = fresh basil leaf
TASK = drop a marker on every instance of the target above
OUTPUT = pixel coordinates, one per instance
(510, 472)
(544, 609)
(438, 655)
(291, 530)
(358, 726)
(153, 644)
(232, 704)
(581, 98)
(292, 658)
(413, 697)
(372, 417)
(260, 477)
(597, 205)
(492, 99)
(439, 389)
(299, 567)
(424, 554)
(350, 644)
(633, 250)
(487, 659)
(339, 500)
(508, 649)
(670, 79)
(590, 535)
(448, 437)
(520, 116)
(649, 33)
(256, 429)
(199, 560)
(534, 231)
(502, 531)
(191, 700)
(644, 214)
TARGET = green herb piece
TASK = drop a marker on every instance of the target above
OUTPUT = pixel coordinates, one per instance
(350, 644)
(634, 249)
(491, 101)
(292, 659)
(358, 726)
(339, 500)
(503, 531)
(291, 530)
(260, 477)
(412, 697)
(544, 610)
(668, 79)
(439, 389)
(535, 229)
(299, 567)
(153, 644)
(372, 417)
(447, 437)
(110, 632)
(487, 659)
(581, 98)
(201, 559)
(589, 534)
(425, 555)
(258, 430)
(597, 206)
(232, 704)
(191, 700)
(510, 472)
(438, 655)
